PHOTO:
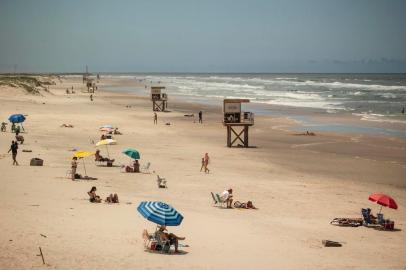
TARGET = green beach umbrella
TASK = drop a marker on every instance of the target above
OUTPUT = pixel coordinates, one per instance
(132, 153)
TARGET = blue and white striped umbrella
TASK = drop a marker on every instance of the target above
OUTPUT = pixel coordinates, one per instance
(160, 213)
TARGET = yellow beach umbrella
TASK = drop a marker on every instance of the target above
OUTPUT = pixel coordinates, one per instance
(83, 154)
(106, 142)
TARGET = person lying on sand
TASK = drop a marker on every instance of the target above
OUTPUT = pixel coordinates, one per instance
(99, 157)
(247, 205)
(67, 125)
(79, 176)
(93, 197)
(172, 238)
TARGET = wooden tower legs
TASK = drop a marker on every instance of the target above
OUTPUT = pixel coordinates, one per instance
(159, 106)
(241, 136)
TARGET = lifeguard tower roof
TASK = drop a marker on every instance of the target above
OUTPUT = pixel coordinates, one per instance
(236, 100)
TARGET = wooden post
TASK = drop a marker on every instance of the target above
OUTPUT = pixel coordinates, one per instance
(228, 136)
(42, 256)
(245, 136)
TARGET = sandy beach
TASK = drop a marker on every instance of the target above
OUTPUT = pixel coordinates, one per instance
(299, 184)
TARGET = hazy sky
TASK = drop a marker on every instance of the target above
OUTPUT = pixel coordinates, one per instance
(203, 36)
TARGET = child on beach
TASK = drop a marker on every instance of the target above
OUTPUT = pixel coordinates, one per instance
(201, 168)
(206, 163)
(93, 197)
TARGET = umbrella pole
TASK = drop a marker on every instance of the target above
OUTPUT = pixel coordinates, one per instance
(108, 154)
(84, 166)
(380, 209)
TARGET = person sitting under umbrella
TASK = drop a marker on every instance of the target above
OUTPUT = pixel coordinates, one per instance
(170, 237)
(99, 157)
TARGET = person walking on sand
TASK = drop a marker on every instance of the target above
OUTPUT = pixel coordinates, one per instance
(13, 149)
(91, 97)
(155, 118)
(206, 163)
(201, 168)
(200, 117)
(74, 166)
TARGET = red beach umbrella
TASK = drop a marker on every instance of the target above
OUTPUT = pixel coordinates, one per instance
(383, 200)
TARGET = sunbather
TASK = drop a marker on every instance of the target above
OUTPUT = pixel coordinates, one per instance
(227, 196)
(20, 138)
(112, 198)
(247, 205)
(99, 157)
(136, 166)
(67, 125)
(116, 132)
(93, 197)
(172, 238)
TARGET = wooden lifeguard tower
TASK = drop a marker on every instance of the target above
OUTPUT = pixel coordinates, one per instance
(236, 121)
(159, 99)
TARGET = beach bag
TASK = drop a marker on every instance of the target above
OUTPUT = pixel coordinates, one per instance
(36, 162)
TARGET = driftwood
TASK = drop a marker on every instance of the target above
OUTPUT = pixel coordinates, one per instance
(42, 255)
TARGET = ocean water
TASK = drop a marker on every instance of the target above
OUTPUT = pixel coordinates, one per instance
(370, 97)
(374, 97)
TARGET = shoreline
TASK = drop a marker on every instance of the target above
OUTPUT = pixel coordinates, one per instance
(309, 119)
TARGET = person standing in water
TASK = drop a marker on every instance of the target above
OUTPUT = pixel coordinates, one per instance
(155, 118)
(13, 149)
(403, 110)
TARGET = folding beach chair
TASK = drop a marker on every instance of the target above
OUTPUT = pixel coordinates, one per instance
(214, 198)
(145, 169)
(149, 240)
(365, 216)
(161, 182)
(219, 200)
(162, 245)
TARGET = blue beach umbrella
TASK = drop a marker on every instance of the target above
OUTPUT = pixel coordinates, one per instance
(132, 153)
(160, 213)
(16, 118)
